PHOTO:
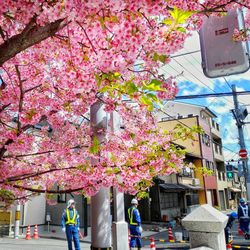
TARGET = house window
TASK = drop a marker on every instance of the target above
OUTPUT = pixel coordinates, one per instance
(206, 139)
(169, 200)
(207, 164)
(192, 199)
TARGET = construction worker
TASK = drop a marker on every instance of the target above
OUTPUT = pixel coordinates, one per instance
(243, 216)
(71, 225)
(231, 218)
(135, 225)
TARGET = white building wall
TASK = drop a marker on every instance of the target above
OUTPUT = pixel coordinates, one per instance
(176, 109)
(34, 211)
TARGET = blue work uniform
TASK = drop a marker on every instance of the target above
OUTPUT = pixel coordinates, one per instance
(243, 216)
(134, 225)
(228, 227)
(70, 220)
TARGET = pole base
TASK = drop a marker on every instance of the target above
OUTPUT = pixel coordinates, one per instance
(100, 248)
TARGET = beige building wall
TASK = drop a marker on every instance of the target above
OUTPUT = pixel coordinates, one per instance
(191, 146)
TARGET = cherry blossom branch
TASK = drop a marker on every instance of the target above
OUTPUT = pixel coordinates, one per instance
(3, 148)
(31, 35)
(21, 97)
(4, 107)
(31, 175)
(144, 70)
(150, 25)
(35, 190)
(41, 153)
(217, 8)
(30, 89)
(5, 124)
(93, 47)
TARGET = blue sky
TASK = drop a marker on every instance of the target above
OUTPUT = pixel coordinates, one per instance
(191, 80)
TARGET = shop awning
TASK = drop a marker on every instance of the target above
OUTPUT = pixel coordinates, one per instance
(170, 187)
(235, 190)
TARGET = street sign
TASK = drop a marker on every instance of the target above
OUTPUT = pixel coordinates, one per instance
(243, 153)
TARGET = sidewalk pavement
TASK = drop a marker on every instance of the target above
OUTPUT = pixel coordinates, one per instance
(55, 232)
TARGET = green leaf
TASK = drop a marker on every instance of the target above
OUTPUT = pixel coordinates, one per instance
(181, 29)
(153, 97)
(130, 87)
(168, 22)
(147, 101)
(95, 148)
(180, 16)
(162, 58)
(104, 89)
(154, 85)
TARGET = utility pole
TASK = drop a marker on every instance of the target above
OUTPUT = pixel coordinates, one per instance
(119, 226)
(239, 123)
(100, 203)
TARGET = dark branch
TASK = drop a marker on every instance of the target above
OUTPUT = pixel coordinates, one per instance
(34, 190)
(31, 35)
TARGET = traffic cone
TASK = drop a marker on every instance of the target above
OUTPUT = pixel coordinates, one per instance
(35, 235)
(170, 235)
(229, 247)
(240, 231)
(152, 244)
(28, 233)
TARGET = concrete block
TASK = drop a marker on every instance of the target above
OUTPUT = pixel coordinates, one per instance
(206, 227)
(205, 219)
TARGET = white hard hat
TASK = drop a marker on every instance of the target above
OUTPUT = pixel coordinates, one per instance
(134, 201)
(70, 202)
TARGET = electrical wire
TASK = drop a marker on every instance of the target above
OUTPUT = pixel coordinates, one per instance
(200, 81)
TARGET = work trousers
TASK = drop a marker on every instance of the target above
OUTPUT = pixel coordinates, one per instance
(136, 240)
(244, 225)
(72, 232)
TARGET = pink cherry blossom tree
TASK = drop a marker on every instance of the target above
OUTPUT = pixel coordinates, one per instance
(56, 57)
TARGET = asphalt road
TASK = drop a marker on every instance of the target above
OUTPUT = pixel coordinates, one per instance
(39, 244)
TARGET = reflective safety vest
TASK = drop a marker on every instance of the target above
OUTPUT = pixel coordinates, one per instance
(131, 216)
(244, 211)
(68, 219)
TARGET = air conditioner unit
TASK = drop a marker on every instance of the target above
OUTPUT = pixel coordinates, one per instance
(195, 182)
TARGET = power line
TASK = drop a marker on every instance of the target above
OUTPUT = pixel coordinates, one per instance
(227, 83)
(184, 54)
(180, 75)
(201, 73)
(211, 95)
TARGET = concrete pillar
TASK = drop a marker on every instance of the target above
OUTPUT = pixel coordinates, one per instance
(17, 221)
(206, 227)
(100, 203)
(100, 220)
(119, 226)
